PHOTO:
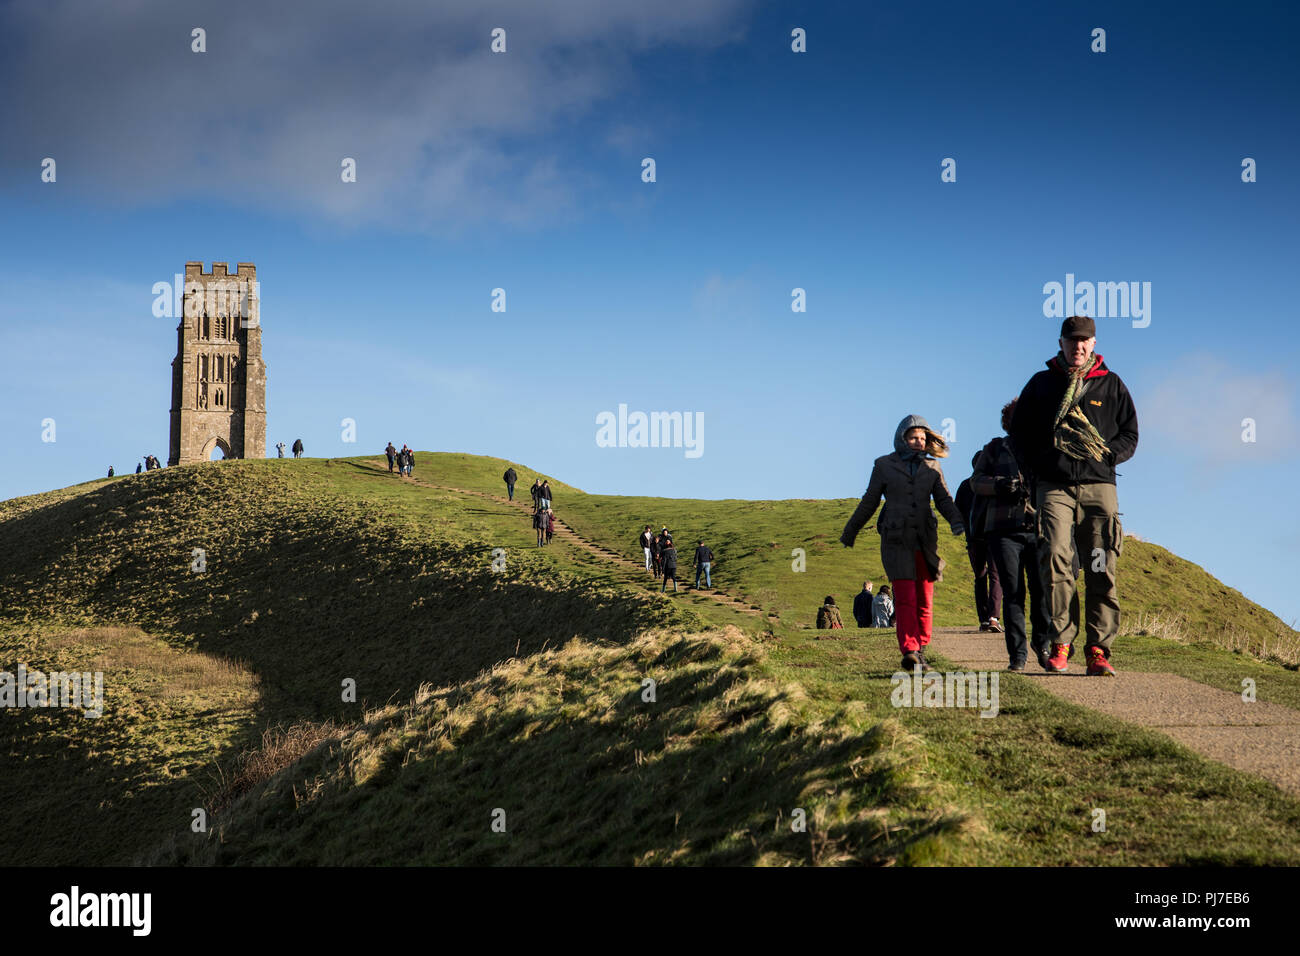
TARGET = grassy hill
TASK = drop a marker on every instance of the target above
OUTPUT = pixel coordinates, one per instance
(522, 690)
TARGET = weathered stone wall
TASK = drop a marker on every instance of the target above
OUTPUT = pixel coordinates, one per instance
(218, 376)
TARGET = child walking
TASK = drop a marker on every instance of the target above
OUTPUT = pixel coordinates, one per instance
(909, 533)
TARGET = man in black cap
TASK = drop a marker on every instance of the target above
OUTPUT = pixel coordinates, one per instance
(1072, 424)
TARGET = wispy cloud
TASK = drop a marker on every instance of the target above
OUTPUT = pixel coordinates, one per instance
(445, 133)
(720, 297)
(1197, 411)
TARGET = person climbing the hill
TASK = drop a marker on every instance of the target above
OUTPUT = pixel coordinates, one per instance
(539, 525)
(882, 608)
(510, 479)
(138, 467)
(908, 478)
(410, 462)
(550, 525)
(703, 562)
(391, 452)
(110, 471)
(988, 590)
(297, 448)
(862, 605)
(646, 539)
(828, 615)
(536, 492)
(669, 557)
(545, 494)
(1073, 423)
(1008, 521)
(657, 555)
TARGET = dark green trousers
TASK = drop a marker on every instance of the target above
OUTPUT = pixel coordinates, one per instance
(1085, 515)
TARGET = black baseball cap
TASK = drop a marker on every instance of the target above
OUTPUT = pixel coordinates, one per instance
(1078, 327)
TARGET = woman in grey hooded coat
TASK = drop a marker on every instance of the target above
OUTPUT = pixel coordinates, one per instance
(909, 533)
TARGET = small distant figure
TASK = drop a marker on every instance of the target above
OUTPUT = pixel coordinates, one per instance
(647, 539)
(657, 554)
(862, 605)
(550, 525)
(828, 616)
(545, 494)
(138, 467)
(703, 562)
(510, 478)
(539, 524)
(536, 492)
(110, 471)
(668, 555)
(279, 448)
(297, 448)
(882, 608)
(410, 462)
(391, 452)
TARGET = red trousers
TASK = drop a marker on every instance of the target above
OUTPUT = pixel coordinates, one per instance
(914, 607)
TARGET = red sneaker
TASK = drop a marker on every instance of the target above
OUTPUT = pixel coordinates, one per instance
(1060, 658)
(1098, 665)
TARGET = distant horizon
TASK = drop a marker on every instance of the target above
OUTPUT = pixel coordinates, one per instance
(1128, 532)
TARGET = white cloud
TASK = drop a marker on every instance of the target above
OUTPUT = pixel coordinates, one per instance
(445, 133)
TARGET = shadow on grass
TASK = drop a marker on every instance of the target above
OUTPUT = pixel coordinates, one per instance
(568, 755)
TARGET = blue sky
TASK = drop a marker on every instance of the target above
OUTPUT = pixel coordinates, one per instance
(775, 170)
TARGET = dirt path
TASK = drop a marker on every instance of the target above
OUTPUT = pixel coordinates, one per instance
(565, 533)
(1259, 738)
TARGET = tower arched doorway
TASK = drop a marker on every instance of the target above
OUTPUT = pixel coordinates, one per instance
(217, 449)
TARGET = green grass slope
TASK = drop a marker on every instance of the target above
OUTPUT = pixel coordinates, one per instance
(523, 691)
(316, 574)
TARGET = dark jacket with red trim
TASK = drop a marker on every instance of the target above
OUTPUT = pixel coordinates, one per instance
(1107, 404)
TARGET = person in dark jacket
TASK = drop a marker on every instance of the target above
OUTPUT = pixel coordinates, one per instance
(544, 493)
(703, 562)
(297, 448)
(550, 525)
(988, 589)
(657, 554)
(536, 491)
(510, 478)
(862, 605)
(138, 467)
(390, 451)
(668, 554)
(539, 525)
(828, 615)
(110, 471)
(1008, 522)
(909, 537)
(1073, 423)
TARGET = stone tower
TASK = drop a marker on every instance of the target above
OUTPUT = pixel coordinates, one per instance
(218, 376)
